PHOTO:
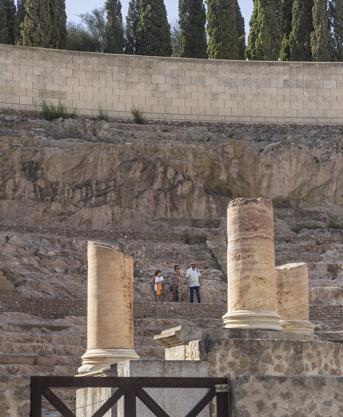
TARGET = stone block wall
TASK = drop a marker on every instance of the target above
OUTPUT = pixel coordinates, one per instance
(267, 396)
(230, 357)
(170, 88)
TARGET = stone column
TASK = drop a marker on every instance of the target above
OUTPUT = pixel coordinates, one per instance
(109, 308)
(293, 298)
(251, 266)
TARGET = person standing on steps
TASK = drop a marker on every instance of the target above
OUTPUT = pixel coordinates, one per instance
(192, 276)
(158, 285)
(176, 284)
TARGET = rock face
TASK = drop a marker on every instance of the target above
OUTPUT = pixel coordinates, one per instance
(103, 176)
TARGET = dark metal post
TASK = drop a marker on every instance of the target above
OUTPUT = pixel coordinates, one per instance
(223, 409)
(130, 404)
(35, 400)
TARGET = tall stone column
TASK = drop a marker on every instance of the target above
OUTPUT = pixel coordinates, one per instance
(251, 266)
(109, 308)
(293, 298)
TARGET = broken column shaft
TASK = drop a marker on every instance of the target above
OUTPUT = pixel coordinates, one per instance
(251, 266)
(293, 298)
(109, 308)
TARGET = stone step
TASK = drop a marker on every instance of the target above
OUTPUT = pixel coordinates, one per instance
(331, 336)
(32, 326)
(34, 359)
(179, 310)
(39, 370)
(41, 348)
(15, 336)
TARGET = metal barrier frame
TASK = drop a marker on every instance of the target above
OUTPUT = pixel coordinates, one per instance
(130, 388)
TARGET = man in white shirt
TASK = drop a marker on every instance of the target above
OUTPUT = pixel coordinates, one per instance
(192, 277)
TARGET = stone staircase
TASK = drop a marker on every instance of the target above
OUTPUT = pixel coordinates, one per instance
(42, 316)
(30, 345)
(35, 345)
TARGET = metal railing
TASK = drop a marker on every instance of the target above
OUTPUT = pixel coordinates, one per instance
(130, 389)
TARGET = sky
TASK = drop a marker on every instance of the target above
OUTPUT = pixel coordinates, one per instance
(76, 7)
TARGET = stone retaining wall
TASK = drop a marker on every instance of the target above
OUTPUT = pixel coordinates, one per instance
(268, 396)
(171, 88)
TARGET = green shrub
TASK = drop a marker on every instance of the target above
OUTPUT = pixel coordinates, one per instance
(52, 112)
(138, 116)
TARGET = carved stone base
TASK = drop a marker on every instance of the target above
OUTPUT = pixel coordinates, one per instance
(297, 326)
(98, 360)
(244, 319)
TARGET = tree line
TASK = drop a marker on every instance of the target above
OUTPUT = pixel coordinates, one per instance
(305, 30)
(296, 30)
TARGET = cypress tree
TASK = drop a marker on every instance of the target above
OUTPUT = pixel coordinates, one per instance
(266, 23)
(52, 18)
(132, 21)
(192, 21)
(299, 38)
(153, 29)
(114, 38)
(19, 19)
(61, 24)
(7, 21)
(320, 37)
(35, 30)
(286, 29)
(223, 40)
(253, 33)
(336, 25)
(240, 31)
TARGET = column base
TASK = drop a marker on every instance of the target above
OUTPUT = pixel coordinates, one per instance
(245, 319)
(98, 360)
(304, 327)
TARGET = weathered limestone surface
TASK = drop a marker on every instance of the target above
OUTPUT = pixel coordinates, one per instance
(251, 265)
(176, 402)
(218, 248)
(293, 298)
(14, 396)
(109, 308)
(5, 284)
(178, 342)
(255, 396)
(105, 174)
(235, 352)
(293, 291)
(232, 357)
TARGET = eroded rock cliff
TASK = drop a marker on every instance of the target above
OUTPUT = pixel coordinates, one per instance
(98, 175)
(161, 191)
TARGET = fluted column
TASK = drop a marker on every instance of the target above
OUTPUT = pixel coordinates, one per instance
(293, 298)
(251, 266)
(109, 308)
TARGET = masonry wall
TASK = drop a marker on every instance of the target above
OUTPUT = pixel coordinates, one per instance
(170, 88)
(254, 396)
